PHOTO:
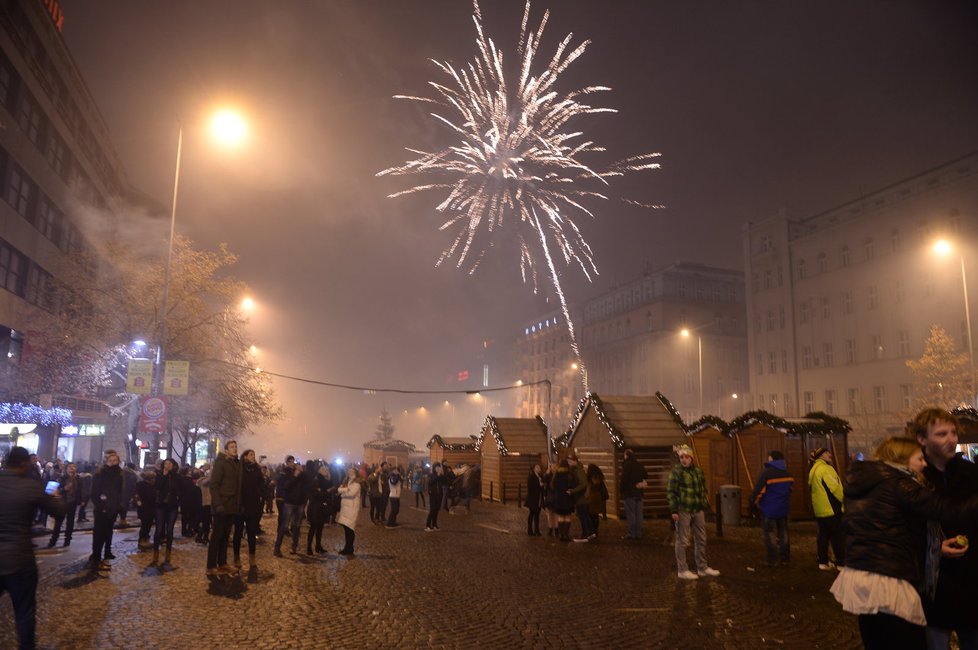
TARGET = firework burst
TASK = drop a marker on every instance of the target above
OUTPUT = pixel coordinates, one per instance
(516, 162)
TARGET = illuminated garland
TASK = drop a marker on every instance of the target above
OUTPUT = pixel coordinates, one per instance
(470, 446)
(594, 401)
(494, 428)
(965, 413)
(17, 413)
(703, 423)
(825, 424)
(386, 444)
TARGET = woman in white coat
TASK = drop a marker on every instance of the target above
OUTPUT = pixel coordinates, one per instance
(349, 492)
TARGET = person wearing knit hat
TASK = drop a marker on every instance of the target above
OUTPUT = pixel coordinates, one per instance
(826, 490)
(687, 497)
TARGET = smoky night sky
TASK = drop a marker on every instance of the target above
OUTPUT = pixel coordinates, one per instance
(755, 107)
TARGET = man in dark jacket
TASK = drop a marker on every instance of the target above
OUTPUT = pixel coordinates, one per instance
(772, 496)
(19, 497)
(292, 490)
(107, 491)
(633, 481)
(225, 487)
(952, 605)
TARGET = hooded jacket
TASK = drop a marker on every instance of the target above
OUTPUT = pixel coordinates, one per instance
(772, 491)
(819, 473)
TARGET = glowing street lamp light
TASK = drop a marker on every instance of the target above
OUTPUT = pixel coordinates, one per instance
(248, 304)
(944, 248)
(228, 127)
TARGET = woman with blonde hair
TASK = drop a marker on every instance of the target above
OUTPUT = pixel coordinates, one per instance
(886, 514)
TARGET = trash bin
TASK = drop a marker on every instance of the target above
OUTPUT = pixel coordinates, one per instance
(729, 505)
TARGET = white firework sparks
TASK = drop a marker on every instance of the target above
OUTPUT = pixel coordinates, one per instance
(516, 162)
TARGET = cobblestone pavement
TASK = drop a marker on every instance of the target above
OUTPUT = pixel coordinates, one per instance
(479, 582)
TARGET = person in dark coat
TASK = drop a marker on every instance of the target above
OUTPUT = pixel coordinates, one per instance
(633, 482)
(561, 484)
(292, 490)
(107, 496)
(436, 481)
(534, 500)
(70, 487)
(85, 479)
(191, 503)
(772, 496)
(252, 503)
(169, 487)
(225, 487)
(146, 506)
(20, 496)
(317, 492)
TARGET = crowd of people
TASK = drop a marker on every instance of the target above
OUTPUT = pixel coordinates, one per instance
(896, 529)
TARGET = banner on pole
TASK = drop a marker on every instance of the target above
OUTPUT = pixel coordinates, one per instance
(176, 377)
(139, 378)
(152, 415)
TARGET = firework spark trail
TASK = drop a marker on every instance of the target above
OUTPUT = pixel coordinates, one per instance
(515, 159)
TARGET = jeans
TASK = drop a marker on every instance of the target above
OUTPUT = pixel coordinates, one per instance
(830, 531)
(697, 522)
(217, 548)
(783, 549)
(940, 639)
(291, 520)
(241, 524)
(585, 518)
(22, 586)
(166, 519)
(419, 496)
(68, 517)
(633, 514)
(395, 508)
(435, 506)
(102, 534)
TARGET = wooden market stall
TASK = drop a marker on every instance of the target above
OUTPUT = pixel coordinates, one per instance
(394, 452)
(508, 449)
(715, 451)
(454, 451)
(758, 433)
(604, 427)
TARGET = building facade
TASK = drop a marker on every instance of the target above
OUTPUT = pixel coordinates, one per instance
(632, 343)
(838, 302)
(56, 163)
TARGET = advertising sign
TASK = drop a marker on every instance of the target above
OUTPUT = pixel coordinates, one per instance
(139, 379)
(152, 415)
(176, 377)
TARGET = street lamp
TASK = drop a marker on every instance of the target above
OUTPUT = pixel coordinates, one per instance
(699, 353)
(943, 248)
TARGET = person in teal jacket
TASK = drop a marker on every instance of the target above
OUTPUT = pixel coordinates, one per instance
(826, 490)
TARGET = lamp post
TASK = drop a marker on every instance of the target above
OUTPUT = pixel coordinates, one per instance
(699, 354)
(944, 248)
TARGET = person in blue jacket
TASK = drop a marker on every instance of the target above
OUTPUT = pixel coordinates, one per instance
(772, 496)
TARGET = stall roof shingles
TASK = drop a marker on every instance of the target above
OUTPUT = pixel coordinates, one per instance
(520, 435)
(642, 420)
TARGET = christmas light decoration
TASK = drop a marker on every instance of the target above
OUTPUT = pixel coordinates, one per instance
(18, 413)
(468, 446)
(592, 400)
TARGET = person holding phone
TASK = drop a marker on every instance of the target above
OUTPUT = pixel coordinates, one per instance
(107, 486)
(70, 490)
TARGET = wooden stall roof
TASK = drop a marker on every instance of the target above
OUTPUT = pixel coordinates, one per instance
(392, 445)
(515, 435)
(817, 423)
(968, 424)
(454, 443)
(632, 420)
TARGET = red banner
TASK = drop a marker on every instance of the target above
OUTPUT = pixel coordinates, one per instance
(152, 415)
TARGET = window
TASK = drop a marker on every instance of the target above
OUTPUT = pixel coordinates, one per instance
(904, 338)
(20, 189)
(806, 357)
(906, 396)
(772, 363)
(770, 320)
(869, 249)
(784, 361)
(879, 399)
(767, 279)
(38, 282)
(12, 267)
(874, 298)
(826, 311)
(827, 359)
(780, 277)
(852, 397)
(850, 350)
(765, 243)
(7, 80)
(877, 346)
(774, 403)
(805, 312)
(30, 118)
(809, 398)
(845, 256)
(682, 289)
(648, 321)
(895, 240)
(830, 402)
(822, 263)
(786, 404)
(801, 269)
(847, 302)
(57, 155)
(781, 316)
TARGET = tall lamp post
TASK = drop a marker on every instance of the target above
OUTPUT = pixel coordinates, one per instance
(229, 128)
(944, 248)
(699, 354)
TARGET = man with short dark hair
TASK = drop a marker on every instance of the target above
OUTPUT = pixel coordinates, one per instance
(107, 487)
(950, 605)
(633, 481)
(19, 497)
(225, 487)
(772, 496)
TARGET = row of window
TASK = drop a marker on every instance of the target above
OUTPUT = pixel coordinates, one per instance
(23, 277)
(20, 103)
(855, 403)
(22, 193)
(629, 298)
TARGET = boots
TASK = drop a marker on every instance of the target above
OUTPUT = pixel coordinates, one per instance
(156, 557)
(166, 560)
